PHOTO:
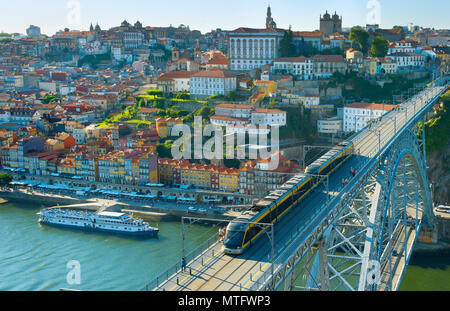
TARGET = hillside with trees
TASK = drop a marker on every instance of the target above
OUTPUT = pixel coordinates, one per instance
(437, 136)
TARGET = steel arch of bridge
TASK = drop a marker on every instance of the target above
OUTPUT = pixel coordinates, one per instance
(369, 243)
(365, 243)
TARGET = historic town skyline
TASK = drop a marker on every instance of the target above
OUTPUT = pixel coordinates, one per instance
(17, 16)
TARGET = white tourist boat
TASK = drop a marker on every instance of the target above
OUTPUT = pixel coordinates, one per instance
(104, 221)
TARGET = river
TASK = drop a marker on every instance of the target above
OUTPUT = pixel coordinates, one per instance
(34, 257)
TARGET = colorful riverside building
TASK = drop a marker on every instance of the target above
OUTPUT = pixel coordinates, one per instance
(66, 166)
(133, 167)
(228, 179)
(211, 177)
(164, 126)
(255, 178)
(166, 170)
(267, 87)
(86, 166)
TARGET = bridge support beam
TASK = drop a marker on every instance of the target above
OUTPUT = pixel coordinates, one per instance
(323, 266)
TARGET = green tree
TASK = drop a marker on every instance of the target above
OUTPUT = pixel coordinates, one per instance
(50, 98)
(6, 40)
(182, 113)
(379, 47)
(359, 36)
(155, 92)
(164, 150)
(183, 95)
(232, 95)
(5, 179)
(205, 112)
(287, 47)
(158, 104)
(161, 113)
(172, 112)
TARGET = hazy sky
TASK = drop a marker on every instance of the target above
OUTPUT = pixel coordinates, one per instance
(53, 15)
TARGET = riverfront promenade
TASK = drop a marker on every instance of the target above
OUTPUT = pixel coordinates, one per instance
(151, 209)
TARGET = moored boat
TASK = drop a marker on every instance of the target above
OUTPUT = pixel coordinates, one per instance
(104, 221)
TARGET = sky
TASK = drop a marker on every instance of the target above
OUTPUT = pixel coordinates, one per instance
(54, 15)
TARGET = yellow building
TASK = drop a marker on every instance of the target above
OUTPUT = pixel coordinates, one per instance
(111, 168)
(257, 97)
(267, 87)
(54, 145)
(164, 126)
(195, 175)
(229, 179)
(67, 166)
(372, 64)
(165, 169)
(153, 176)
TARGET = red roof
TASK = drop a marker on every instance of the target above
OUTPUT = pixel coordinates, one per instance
(300, 59)
(371, 106)
(308, 34)
(224, 118)
(217, 60)
(268, 111)
(176, 75)
(212, 73)
(329, 58)
(255, 30)
(233, 106)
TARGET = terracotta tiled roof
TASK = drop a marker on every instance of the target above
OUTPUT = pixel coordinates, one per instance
(308, 34)
(213, 73)
(329, 58)
(176, 75)
(268, 111)
(223, 118)
(257, 30)
(218, 61)
(371, 106)
(233, 106)
(300, 59)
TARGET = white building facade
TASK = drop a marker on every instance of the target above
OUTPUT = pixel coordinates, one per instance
(299, 66)
(252, 48)
(330, 126)
(268, 117)
(212, 82)
(358, 115)
(408, 59)
(234, 111)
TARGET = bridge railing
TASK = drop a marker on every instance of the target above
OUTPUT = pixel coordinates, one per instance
(195, 256)
(324, 213)
(300, 238)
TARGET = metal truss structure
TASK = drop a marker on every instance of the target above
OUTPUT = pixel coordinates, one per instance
(364, 239)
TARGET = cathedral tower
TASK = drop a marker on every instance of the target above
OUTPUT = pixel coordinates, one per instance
(270, 23)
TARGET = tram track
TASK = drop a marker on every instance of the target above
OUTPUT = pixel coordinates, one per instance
(234, 269)
(240, 267)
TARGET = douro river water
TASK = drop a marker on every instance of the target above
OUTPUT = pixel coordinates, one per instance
(35, 257)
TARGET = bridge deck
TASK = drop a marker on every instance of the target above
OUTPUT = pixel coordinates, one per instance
(222, 272)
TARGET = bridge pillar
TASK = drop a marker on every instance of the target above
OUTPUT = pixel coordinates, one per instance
(323, 266)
